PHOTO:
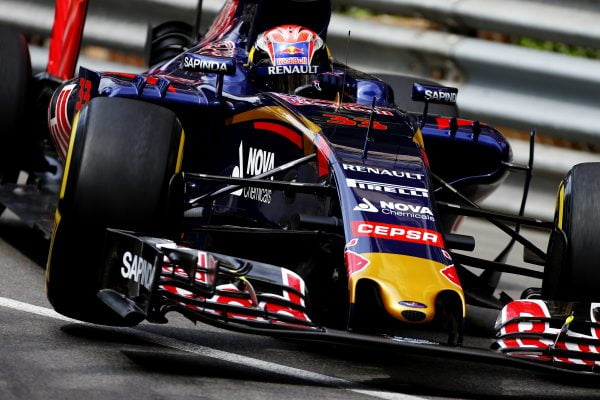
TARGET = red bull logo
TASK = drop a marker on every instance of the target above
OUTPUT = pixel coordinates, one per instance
(291, 54)
(291, 50)
(291, 61)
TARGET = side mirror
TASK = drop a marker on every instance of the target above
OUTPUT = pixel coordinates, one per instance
(433, 94)
(213, 64)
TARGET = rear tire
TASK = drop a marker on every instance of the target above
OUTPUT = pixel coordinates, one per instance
(120, 162)
(573, 269)
(15, 70)
(167, 40)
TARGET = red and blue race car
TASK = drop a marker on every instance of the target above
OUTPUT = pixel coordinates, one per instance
(250, 181)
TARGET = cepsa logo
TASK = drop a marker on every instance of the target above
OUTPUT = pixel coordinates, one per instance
(397, 232)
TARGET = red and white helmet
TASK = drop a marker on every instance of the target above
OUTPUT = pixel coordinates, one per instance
(287, 57)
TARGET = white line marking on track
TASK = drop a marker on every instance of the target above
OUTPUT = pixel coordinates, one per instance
(30, 308)
(222, 355)
(387, 395)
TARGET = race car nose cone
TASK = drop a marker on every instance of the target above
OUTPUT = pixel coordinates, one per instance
(408, 286)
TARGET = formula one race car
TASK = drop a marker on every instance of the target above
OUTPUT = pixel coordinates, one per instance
(252, 182)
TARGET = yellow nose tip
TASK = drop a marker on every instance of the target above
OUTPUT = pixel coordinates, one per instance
(408, 286)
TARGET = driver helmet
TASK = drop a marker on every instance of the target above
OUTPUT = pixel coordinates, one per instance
(287, 58)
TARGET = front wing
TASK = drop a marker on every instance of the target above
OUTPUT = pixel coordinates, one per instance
(146, 278)
(561, 334)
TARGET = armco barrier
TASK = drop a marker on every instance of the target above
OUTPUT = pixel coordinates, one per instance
(574, 21)
(500, 83)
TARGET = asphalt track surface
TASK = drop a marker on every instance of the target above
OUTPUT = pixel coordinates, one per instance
(46, 356)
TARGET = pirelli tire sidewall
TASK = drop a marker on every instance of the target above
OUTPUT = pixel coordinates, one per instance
(122, 155)
(572, 272)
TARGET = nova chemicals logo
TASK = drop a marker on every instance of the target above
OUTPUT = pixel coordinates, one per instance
(406, 210)
(256, 162)
(366, 206)
(397, 209)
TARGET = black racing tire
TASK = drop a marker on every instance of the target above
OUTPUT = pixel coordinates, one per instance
(15, 70)
(120, 162)
(167, 41)
(402, 86)
(573, 269)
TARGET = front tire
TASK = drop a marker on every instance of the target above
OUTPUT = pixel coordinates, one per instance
(122, 156)
(573, 269)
